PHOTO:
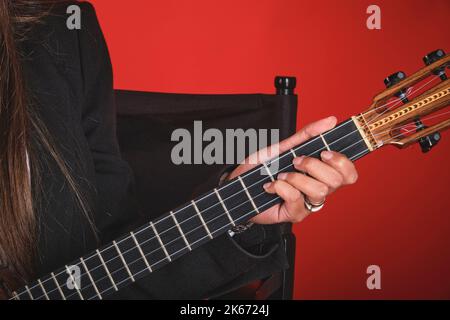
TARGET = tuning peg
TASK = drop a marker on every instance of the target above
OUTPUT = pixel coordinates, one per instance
(392, 80)
(428, 142)
(433, 57)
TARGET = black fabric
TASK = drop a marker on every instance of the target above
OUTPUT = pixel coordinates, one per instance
(141, 115)
(69, 78)
(157, 115)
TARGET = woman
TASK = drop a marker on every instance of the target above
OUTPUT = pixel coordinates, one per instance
(64, 188)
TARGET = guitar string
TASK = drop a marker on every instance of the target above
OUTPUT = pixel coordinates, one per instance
(413, 126)
(243, 176)
(184, 248)
(395, 101)
(408, 94)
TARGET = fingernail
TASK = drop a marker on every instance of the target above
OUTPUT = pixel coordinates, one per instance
(267, 185)
(282, 176)
(299, 160)
(327, 155)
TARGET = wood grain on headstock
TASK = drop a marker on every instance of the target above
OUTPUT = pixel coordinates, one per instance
(427, 103)
(381, 125)
(381, 99)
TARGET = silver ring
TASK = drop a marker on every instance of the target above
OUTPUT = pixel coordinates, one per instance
(313, 207)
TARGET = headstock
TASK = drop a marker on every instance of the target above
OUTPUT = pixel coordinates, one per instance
(398, 113)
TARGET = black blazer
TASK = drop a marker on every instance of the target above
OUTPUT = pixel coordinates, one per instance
(69, 77)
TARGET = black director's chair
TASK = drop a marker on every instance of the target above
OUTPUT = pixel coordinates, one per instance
(145, 125)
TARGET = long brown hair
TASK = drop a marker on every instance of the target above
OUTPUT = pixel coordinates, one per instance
(18, 222)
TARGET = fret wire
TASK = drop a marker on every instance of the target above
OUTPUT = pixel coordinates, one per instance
(224, 207)
(325, 143)
(268, 172)
(160, 242)
(43, 289)
(29, 292)
(314, 139)
(123, 261)
(248, 194)
(90, 277)
(292, 151)
(15, 296)
(328, 132)
(201, 218)
(181, 231)
(107, 270)
(74, 283)
(58, 286)
(141, 252)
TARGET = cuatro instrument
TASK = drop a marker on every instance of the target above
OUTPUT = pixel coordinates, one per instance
(398, 116)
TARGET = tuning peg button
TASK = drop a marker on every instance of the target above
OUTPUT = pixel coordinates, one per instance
(432, 57)
(429, 142)
(392, 80)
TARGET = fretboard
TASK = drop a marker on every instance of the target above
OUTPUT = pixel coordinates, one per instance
(141, 252)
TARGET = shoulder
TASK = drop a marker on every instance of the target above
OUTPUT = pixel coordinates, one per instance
(67, 29)
(69, 38)
(67, 20)
(65, 9)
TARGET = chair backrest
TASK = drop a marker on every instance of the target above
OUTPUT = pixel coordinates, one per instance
(146, 122)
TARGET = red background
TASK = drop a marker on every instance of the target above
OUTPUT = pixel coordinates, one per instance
(397, 216)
